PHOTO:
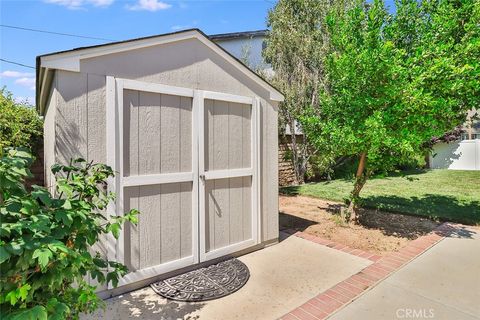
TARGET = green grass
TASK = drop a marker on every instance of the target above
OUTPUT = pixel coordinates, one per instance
(447, 195)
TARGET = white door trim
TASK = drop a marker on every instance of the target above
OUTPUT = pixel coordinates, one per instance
(231, 173)
(156, 270)
(226, 97)
(199, 98)
(111, 143)
(156, 88)
(256, 232)
(162, 178)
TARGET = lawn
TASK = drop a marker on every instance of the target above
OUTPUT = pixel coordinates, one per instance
(449, 195)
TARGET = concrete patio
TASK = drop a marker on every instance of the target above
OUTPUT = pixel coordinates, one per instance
(309, 278)
(443, 284)
(283, 276)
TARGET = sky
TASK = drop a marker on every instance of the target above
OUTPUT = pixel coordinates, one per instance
(107, 19)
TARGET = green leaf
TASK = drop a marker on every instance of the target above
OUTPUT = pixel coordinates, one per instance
(100, 262)
(23, 291)
(22, 171)
(15, 247)
(64, 216)
(96, 274)
(43, 256)
(67, 205)
(28, 206)
(56, 168)
(12, 297)
(4, 254)
(115, 228)
(58, 246)
(112, 277)
(42, 194)
(22, 153)
(35, 313)
(57, 310)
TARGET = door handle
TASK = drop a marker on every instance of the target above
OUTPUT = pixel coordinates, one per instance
(202, 177)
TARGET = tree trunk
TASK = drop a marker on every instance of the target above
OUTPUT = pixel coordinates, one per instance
(296, 156)
(360, 179)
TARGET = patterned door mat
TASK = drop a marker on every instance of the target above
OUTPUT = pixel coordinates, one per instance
(212, 282)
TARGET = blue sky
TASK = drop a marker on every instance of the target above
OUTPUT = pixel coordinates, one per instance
(110, 19)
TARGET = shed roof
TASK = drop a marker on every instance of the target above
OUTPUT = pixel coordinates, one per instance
(238, 35)
(70, 59)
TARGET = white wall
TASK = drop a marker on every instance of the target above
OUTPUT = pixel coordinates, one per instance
(460, 155)
(252, 46)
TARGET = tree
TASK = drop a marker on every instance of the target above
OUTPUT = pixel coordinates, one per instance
(395, 81)
(296, 47)
(20, 125)
(46, 242)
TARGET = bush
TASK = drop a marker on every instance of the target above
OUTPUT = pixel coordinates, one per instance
(20, 125)
(46, 241)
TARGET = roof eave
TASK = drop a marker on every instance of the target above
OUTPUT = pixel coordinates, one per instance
(238, 35)
(43, 88)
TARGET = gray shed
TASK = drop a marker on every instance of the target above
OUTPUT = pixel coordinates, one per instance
(191, 133)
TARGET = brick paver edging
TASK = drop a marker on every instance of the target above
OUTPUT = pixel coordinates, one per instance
(329, 301)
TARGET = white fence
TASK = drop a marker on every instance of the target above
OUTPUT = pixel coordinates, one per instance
(460, 155)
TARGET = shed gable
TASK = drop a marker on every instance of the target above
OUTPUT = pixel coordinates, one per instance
(179, 48)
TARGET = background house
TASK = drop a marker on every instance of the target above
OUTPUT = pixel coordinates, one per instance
(246, 46)
(462, 154)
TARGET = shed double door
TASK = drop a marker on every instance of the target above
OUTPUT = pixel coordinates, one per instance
(187, 160)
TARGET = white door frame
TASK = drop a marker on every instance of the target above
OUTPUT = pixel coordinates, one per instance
(114, 142)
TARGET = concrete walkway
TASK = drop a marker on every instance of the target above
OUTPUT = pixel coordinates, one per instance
(282, 277)
(442, 283)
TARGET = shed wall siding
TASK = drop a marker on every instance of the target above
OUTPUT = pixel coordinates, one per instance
(80, 124)
(186, 63)
(162, 234)
(157, 133)
(227, 135)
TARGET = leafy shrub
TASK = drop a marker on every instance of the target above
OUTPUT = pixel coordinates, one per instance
(20, 125)
(46, 241)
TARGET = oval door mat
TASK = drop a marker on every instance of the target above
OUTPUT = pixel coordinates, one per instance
(212, 282)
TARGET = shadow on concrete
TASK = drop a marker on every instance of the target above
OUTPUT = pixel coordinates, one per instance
(145, 304)
(455, 231)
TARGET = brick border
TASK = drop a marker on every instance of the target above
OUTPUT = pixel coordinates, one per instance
(326, 303)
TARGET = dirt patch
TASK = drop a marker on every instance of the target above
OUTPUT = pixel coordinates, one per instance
(378, 232)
